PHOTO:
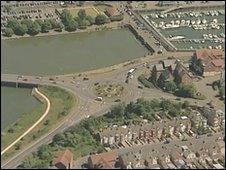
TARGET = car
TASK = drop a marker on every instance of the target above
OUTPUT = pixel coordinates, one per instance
(140, 87)
(51, 79)
(178, 98)
(85, 78)
(24, 79)
(118, 100)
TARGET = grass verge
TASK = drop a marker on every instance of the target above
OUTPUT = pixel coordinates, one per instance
(61, 103)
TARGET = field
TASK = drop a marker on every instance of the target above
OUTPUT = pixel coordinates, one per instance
(61, 103)
(89, 11)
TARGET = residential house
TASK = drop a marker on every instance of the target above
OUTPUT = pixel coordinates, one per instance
(64, 160)
(103, 161)
(111, 11)
(197, 120)
(156, 72)
(177, 159)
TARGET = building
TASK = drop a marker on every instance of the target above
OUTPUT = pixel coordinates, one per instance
(143, 131)
(64, 160)
(111, 11)
(214, 118)
(103, 161)
(212, 61)
(181, 74)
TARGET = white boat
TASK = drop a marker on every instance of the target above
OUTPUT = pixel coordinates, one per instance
(215, 20)
(204, 21)
(192, 22)
(182, 23)
(210, 36)
(198, 21)
(188, 22)
(177, 38)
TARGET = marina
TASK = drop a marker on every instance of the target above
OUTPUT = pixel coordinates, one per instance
(191, 29)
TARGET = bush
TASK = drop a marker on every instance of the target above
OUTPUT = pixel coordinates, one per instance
(145, 82)
(8, 32)
(101, 19)
(117, 17)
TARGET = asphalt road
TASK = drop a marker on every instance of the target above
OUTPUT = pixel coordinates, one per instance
(87, 105)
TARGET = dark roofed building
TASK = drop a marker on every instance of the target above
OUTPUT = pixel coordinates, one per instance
(64, 160)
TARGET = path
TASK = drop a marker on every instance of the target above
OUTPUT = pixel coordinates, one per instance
(32, 127)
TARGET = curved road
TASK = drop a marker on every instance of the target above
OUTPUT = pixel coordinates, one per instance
(87, 105)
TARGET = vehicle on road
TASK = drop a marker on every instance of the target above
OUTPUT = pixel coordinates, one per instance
(99, 99)
(118, 100)
(24, 79)
(85, 78)
(140, 87)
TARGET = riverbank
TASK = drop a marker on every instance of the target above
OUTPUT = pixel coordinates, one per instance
(93, 28)
(61, 104)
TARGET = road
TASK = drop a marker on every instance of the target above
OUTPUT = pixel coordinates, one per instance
(86, 103)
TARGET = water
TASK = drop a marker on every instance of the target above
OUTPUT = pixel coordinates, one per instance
(190, 33)
(63, 54)
(14, 102)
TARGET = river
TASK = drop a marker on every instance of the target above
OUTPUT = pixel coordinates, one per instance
(69, 53)
(14, 102)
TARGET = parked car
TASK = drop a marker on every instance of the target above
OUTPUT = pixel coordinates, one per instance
(140, 87)
(85, 78)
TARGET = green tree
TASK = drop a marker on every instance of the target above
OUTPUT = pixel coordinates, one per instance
(27, 22)
(66, 18)
(90, 19)
(59, 26)
(8, 32)
(82, 14)
(185, 104)
(100, 19)
(13, 24)
(34, 29)
(173, 112)
(21, 29)
(170, 86)
(72, 26)
(53, 23)
(186, 91)
(46, 26)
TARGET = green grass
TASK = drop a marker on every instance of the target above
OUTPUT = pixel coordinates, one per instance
(61, 103)
(108, 90)
(89, 11)
(101, 7)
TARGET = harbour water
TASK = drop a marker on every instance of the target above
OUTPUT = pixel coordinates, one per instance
(69, 53)
(14, 102)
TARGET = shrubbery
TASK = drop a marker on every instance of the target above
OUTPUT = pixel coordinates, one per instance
(145, 82)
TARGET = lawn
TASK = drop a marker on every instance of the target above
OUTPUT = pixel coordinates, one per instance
(89, 11)
(101, 7)
(61, 103)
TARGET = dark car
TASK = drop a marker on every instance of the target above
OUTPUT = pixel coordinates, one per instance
(85, 78)
(140, 87)
(117, 100)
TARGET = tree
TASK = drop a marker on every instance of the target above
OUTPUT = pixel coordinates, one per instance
(21, 29)
(186, 91)
(72, 26)
(46, 26)
(66, 17)
(100, 19)
(13, 24)
(173, 112)
(35, 28)
(53, 23)
(28, 23)
(170, 86)
(8, 32)
(117, 111)
(90, 19)
(82, 14)
(59, 26)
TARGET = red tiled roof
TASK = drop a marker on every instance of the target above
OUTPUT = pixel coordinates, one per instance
(105, 160)
(218, 62)
(64, 158)
(211, 53)
(111, 11)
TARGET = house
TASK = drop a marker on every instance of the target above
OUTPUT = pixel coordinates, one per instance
(214, 118)
(156, 72)
(177, 159)
(182, 74)
(197, 120)
(212, 61)
(64, 160)
(103, 161)
(111, 11)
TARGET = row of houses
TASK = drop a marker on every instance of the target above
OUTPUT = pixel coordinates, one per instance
(144, 131)
(202, 117)
(194, 153)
